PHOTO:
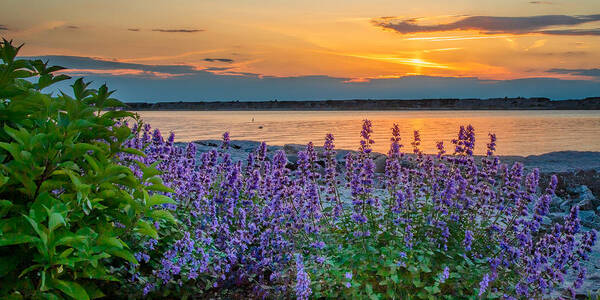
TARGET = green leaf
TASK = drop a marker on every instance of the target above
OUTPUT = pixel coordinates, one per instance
(55, 221)
(124, 254)
(110, 241)
(3, 180)
(69, 239)
(417, 282)
(133, 151)
(146, 229)
(369, 289)
(8, 239)
(161, 214)
(158, 199)
(433, 289)
(40, 231)
(5, 206)
(93, 291)
(30, 268)
(50, 296)
(72, 289)
(159, 188)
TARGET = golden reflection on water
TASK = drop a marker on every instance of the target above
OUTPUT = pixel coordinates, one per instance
(518, 132)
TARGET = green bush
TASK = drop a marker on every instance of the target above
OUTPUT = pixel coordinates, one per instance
(66, 204)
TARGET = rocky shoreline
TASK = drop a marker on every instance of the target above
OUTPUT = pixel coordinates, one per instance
(578, 174)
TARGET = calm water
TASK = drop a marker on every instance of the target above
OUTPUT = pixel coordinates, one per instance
(518, 132)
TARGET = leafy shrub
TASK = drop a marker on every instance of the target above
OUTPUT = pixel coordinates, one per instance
(67, 203)
(432, 226)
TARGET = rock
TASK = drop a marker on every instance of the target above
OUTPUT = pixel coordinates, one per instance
(583, 197)
(558, 217)
(589, 219)
(555, 203)
(246, 146)
(293, 148)
(546, 221)
(581, 193)
(380, 163)
(586, 204)
(292, 158)
(580, 189)
(565, 205)
(292, 161)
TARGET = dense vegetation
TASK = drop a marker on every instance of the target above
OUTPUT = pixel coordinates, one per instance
(67, 203)
(93, 205)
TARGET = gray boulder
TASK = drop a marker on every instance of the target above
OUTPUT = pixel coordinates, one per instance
(380, 163)
(292, 158)
(583, 197)
(586, 204)
(555, 204)
(566, 205)
(293, 148)
(589, 219)
(546, 221)
(558, 217)
(579, 195)
(581, 192)
(580, 189)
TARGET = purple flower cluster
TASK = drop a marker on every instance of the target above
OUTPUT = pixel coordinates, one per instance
(260, 227)
(303, 290)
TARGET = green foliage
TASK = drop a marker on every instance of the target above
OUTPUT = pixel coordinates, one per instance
(66, 205)
(383, 267)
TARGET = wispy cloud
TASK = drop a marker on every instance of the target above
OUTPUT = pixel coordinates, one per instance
(225, 60)
(541, 2)
(441, 50)
(169, 57)
(536, 44)
(557, 54)
(120, 72)
(244, 74)
(455, 38)
(178, 30)
(217, 69)
(41, 27)
(133, 29)
(497, 25)
(595, 31)
(577, 72)
(72, 27)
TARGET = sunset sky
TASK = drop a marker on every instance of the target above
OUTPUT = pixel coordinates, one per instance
(279, 49)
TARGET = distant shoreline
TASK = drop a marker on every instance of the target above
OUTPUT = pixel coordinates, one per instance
(592, 103)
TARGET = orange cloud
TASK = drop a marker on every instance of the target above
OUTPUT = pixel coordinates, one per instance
(121, 72)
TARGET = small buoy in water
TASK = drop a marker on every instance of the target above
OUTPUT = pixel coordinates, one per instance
(260, 127)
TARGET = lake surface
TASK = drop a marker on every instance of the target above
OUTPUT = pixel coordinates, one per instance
(518, 132)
